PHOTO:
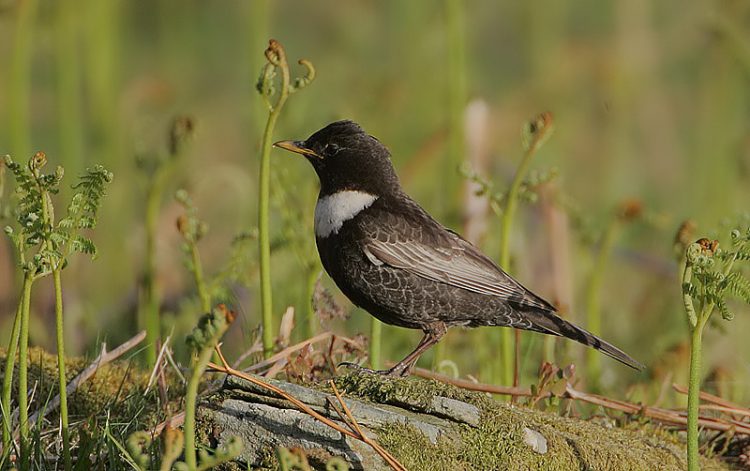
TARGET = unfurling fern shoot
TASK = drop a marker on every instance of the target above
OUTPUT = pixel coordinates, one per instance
(711, 276)
(267, 88)
(44, 247)
(159, 171)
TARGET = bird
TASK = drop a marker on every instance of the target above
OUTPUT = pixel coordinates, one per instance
(394, 260)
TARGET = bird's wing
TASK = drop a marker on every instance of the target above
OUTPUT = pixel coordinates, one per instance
(447, 258)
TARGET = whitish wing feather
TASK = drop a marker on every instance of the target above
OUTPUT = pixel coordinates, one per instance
(462, 266)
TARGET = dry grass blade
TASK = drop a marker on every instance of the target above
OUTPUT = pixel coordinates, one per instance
(286, 352)
(158, 365)
(285, 327)
(256, 347)
(227, 369)
(276, 368)
(352, 423)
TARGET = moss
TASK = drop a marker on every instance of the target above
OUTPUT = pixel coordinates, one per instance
(403, 441)
(572, 444)
(107, 389)
(498, 441)
(413, 392)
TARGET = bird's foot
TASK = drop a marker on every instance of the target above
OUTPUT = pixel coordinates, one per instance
(362, 369)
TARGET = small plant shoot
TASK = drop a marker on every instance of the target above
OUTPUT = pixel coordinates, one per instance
(712, 275)
(275, 92)
(44, 246)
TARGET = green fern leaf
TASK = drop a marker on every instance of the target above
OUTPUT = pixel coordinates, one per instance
(738, 286)
(84, 245)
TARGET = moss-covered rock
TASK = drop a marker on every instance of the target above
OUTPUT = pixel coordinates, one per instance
(429, 425)
(501, 440)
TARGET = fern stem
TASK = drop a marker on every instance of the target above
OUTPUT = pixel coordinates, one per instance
(264, 238)
(23, 365)
(150, 316)
(694, 381)
(63, 382)
(203, 340)
(509, 362)
(537, 131)
(191, 397)
(694, 386)
(200, 284)
(10, 360)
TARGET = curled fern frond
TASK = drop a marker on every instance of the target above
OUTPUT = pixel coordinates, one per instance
(726, 314)
(137, 445)
(211, 326)
(227, 451)
(537, 130)
(305, 80)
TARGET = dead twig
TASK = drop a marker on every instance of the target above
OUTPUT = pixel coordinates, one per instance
(349, 420)
(173, 422)
(708, 397)
(726, 410)
(666, 416)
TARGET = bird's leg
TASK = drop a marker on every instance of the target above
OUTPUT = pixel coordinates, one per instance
(432, 335)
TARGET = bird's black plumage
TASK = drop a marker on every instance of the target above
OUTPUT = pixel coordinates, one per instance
(395, 261)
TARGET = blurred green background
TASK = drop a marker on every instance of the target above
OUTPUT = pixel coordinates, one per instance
(650, 101)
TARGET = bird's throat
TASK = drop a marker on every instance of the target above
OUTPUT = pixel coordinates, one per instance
(333, 210)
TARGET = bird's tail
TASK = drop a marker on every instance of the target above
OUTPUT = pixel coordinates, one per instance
(548, 323)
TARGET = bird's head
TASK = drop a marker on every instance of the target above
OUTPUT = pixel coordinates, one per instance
(345, 157)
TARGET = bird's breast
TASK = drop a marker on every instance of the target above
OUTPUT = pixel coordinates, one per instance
(332, 211)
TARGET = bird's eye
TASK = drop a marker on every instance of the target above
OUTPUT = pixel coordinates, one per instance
(331, 149)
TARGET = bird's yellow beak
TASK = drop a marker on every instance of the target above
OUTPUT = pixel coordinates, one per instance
(298, 147)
